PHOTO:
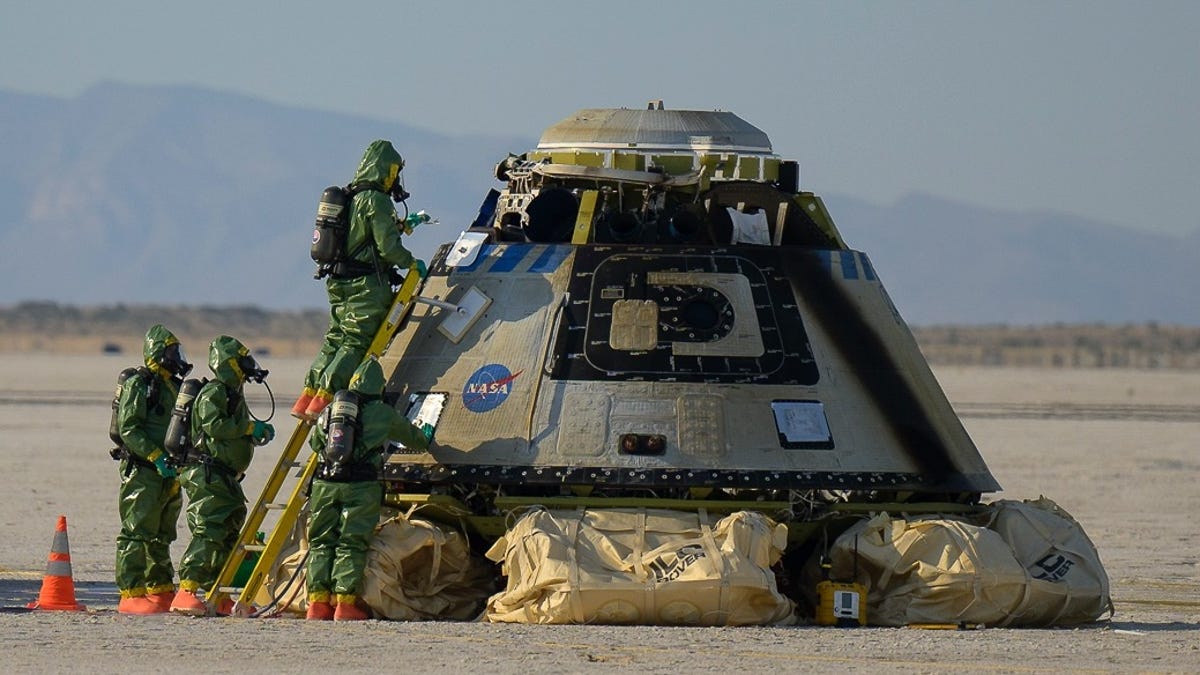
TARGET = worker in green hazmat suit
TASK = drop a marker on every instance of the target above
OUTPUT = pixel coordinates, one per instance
(349, 439)
(224, 435)
(359, 289)
(149, 501)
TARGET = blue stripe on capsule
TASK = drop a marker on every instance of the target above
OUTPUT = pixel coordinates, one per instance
(849, 269)
(868, 271)
(510, 257)
(824, 256)
(549, 260)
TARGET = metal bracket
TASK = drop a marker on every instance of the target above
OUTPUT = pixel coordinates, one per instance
(440, 304)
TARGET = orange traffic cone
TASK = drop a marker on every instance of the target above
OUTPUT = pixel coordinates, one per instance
(58, 589)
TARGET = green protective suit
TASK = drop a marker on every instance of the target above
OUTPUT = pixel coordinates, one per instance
(345, 511)
(149, 504)
(357, 306)
(221, 427)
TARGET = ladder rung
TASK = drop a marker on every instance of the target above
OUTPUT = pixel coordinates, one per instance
(293, 457)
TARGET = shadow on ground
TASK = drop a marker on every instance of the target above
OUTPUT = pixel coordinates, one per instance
(1147, 627)
(15, 594)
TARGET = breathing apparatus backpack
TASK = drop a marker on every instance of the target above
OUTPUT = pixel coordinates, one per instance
(114, 434)
(179, 441)
(342, 428)
(330, 235)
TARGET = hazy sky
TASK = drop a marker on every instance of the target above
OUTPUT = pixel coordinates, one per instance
(1088, 107)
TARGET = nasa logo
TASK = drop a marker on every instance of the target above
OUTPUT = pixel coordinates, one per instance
(316, 236)
(488, 387)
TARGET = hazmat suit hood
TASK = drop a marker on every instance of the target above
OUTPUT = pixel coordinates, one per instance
(225, 360)
(163, 354)
(368, 380)
(379, 168)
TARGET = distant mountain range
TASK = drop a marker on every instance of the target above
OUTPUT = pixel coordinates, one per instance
(945, 262)
(178, 195)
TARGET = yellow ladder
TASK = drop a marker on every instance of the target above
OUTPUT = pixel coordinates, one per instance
(290, 510)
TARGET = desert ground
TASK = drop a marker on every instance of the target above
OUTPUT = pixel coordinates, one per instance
(1118, 449)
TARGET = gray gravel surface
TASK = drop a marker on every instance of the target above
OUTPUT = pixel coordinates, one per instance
(1131, 478)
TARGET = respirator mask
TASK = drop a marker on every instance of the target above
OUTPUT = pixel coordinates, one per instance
(174, 361)
(397, 192)
(250, 369)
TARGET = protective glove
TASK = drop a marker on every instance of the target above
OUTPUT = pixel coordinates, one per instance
(165, 470)
(427, 431)
(262, 432)
(415, 219)
(421, 269)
